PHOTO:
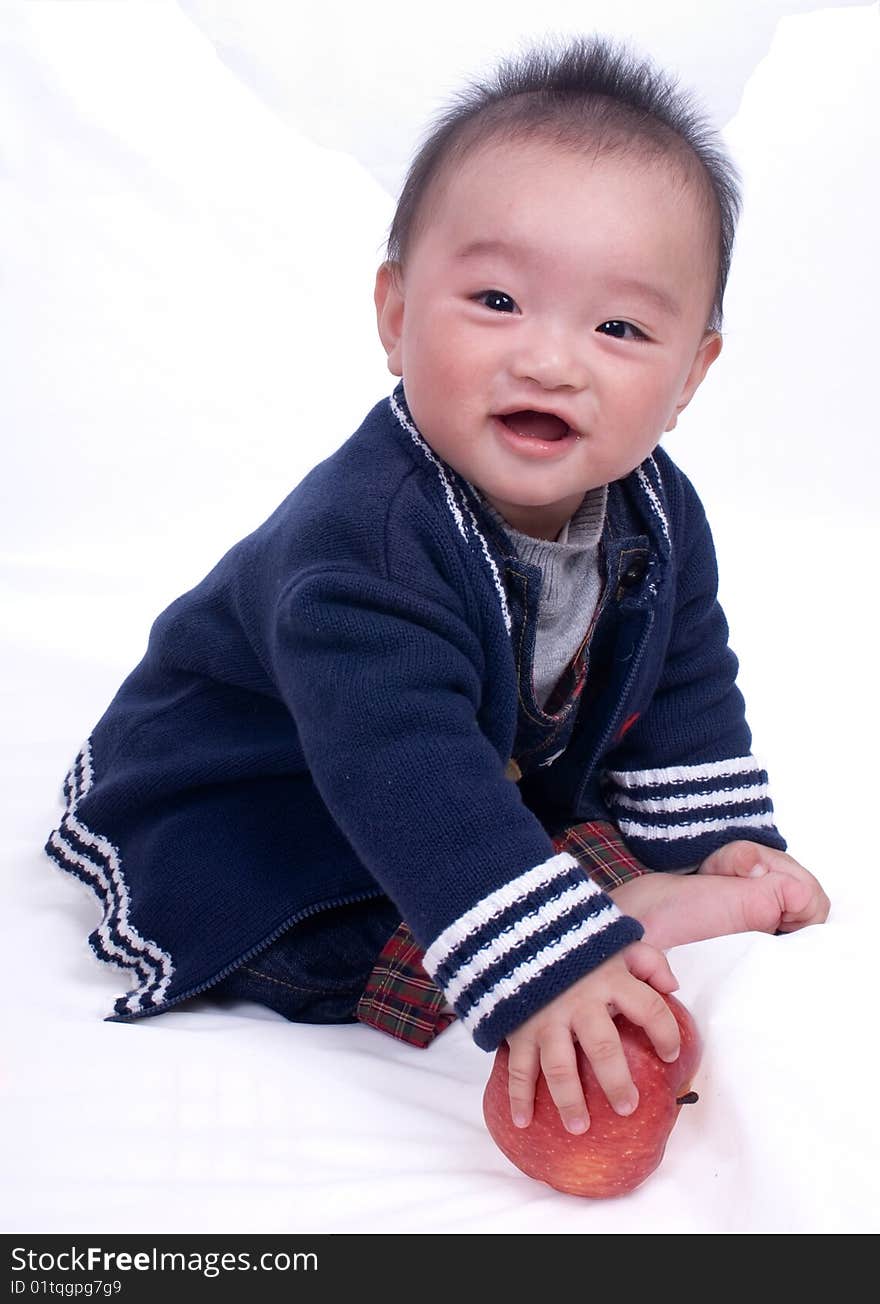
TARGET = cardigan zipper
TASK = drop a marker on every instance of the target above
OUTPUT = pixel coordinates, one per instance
(618, 710)
(368, 895)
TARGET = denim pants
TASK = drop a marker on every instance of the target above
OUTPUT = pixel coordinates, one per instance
(316, 971)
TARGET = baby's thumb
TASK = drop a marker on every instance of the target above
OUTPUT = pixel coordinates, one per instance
(649, 964)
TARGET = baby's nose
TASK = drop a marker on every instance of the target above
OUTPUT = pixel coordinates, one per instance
(553, 360)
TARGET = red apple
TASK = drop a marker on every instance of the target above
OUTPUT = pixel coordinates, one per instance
(616, 1153)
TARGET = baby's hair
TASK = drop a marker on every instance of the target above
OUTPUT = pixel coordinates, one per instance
(586, 92)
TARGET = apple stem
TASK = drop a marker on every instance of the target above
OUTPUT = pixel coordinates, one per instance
(690, 1099)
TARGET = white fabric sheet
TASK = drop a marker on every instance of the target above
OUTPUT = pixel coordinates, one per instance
(186, 328)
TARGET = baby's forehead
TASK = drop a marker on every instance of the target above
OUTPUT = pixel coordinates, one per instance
(486, 165)
(497, 212)
(491, 167)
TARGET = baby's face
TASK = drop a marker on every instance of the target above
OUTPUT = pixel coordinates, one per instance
(551, 295)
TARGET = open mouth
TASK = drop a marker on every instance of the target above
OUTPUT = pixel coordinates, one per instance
(536, 425)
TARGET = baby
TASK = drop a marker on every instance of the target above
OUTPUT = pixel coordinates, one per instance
(455, 732)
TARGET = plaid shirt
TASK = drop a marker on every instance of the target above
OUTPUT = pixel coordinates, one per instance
(401, 1000)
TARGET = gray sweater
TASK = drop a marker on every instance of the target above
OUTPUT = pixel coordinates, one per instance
(570, 586)
(570, 590)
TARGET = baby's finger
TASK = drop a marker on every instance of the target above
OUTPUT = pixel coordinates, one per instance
(523, 1066)
(742, 860)
(651, 965)
(797, 897)
(600, 1042)
(815, 911)
(824, 908)
(559, 1066)
(645, 1007)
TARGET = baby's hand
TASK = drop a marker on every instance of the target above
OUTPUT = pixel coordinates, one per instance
(584, 1013)
(752, 860)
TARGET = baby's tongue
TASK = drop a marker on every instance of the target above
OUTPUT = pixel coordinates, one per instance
(538, 425)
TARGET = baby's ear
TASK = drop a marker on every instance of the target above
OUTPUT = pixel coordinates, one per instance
(388, 298)
(710, 347)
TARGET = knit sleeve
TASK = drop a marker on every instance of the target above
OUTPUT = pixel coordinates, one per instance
(384, 686)
(683, 780)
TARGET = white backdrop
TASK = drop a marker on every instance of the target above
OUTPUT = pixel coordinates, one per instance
(188, 235)
(364, 78)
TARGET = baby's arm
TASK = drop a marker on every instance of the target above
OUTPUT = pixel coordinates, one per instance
(584, 1013)
(742, 887)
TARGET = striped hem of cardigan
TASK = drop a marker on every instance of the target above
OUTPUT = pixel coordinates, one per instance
(402, 1000)
(94, 860)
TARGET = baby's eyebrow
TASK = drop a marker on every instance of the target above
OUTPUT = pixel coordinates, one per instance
(615, 284)
(659, 296)
(474, 248)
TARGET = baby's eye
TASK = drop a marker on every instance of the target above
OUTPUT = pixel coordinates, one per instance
(617, 330)
(497, 300)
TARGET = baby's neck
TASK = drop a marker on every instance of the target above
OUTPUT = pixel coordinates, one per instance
(581, 528)
(545, 523)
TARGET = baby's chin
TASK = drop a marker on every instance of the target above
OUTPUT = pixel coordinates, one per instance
(565, 492)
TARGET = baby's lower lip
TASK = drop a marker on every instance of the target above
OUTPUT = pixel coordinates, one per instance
(529, 446)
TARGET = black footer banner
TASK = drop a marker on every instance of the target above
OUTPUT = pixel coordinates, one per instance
(136, 1269)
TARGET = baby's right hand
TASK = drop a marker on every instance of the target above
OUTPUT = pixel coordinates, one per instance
(627, 983)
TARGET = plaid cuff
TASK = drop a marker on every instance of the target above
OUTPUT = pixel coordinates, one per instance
(602, 853)
(402, 1001)
(400, 998)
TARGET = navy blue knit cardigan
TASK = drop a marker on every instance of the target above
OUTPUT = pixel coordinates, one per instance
(330, 716)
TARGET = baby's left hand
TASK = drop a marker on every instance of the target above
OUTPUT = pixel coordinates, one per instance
(752, 860)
